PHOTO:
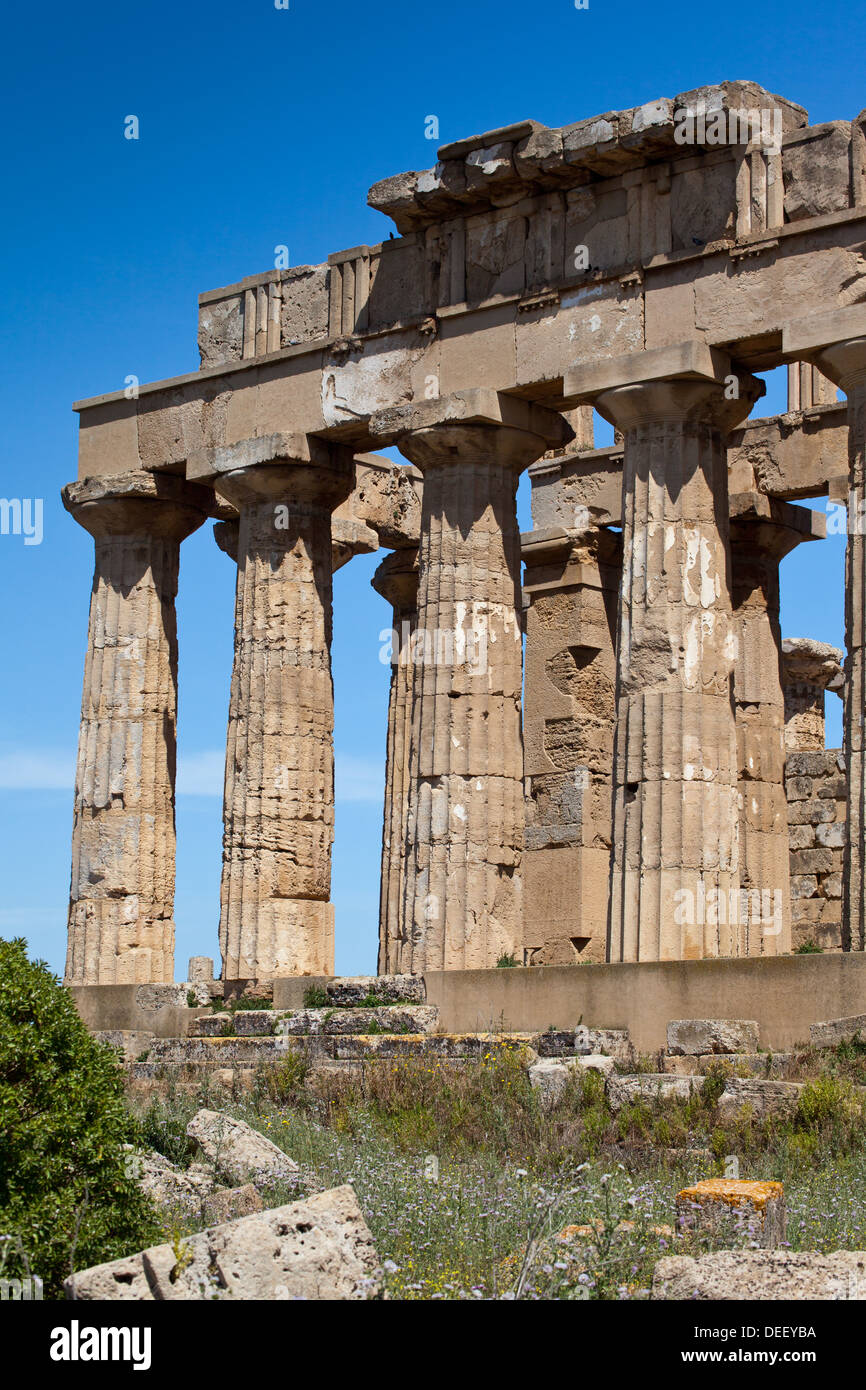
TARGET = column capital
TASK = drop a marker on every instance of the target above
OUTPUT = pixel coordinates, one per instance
(277, 467)
(807, 662)
(683, 382)
(688, 403)
(226, 534)
(770, 527)
(348, 538)
(452, 429)
(835, 342)
(158, 505)
(396, 579)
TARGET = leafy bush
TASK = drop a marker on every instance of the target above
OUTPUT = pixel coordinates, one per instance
(67, 1200)
(315, 998)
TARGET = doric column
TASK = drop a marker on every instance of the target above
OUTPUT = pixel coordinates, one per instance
(465, 826)
(276, 917)
(121, 901)
(674, 867)
(809, 668)
(396, 579)
(762, 533)
(836, 343)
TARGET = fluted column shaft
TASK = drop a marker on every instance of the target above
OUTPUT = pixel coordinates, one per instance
(121, 902)
(845, 364)
(674, 869)
(276, 917)
(396, 579)
(466, 814)
(764, 920)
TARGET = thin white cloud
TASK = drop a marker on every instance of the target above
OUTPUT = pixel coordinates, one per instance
(37, 770)
(201, 774)
(198, 774)
(358, 779)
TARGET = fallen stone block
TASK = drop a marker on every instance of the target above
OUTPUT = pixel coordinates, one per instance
(549, 1076)
(318, 1248)
(167, 1185)
(764, 1097)
(770, 1066)
(594, 1062)
(238, 1152)
(583, 1041)
(762, 1275)
(837, 1030)
(123, 1280)
(695, 1036)
(650, 1086)
(231, 1204)
(725, 1207)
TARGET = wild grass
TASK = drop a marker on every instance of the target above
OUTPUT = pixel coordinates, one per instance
(511, 1176)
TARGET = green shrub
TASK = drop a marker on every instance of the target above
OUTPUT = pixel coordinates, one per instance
(316, 998)
(67, 1199)
(506, 962)
(808, 948)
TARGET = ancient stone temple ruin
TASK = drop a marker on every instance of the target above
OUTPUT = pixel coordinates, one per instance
(598, 746)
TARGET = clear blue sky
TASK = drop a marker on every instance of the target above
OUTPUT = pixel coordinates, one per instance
(261, 127)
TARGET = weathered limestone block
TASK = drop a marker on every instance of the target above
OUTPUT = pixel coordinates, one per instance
(131, 1041)
(761, 1097)
(836, 343)
(816, 789)
(124, 1279)
(396, 579)
(550, 1077)
(763, 531)
(465, 821)
(276, 915)
(386, 497)
(211, 1026)
(239, 1153)
(696, 1036)
(771, 1066)
(675, 832)
(725, 1206)
(221, 330)
(231, 1204)
(816, 170)
(170, 1186)
(392, 989)
(762, 1276)
(392, 1018)
(839, 1030)
(571, 583)
(808, 669)
(220, 1051)
(200, 970)
(304, 304)
(650, 1086)
(121, 901)
(318, 1248)
(585, 1042)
